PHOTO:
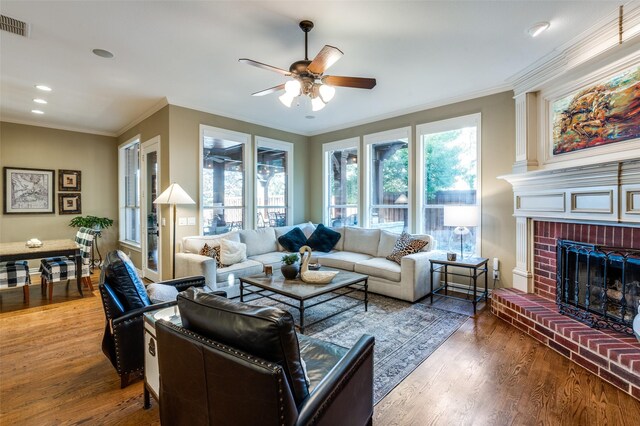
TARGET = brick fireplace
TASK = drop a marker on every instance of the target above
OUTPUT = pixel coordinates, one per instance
(613, 356)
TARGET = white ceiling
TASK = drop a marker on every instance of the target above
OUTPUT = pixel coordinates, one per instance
(422, 53)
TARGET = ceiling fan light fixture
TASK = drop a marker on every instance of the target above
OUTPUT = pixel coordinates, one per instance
(327, 92)
(286, 99)
(317, 104)
(292, 88)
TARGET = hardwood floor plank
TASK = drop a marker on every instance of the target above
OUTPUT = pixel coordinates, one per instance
(52, 371)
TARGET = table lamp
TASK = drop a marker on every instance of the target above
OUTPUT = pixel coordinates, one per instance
(462, 217)
(174, 195)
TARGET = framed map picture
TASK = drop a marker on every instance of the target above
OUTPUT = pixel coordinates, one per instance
(28, 190)
(69, 203)
(602, 113)
(69, 180)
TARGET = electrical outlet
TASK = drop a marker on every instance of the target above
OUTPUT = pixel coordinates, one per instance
(496, 275)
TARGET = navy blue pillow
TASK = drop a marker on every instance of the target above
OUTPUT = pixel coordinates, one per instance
(120, 274)
(293, 240)
(323, 239)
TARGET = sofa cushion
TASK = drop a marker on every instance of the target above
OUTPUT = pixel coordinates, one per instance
(361, 240)
(122, 277)
(232, 252)
(242, 269)
(195, 243)
(274, 258)
(406, 245)
(293, 240)
(323, 239)
(379, 267)
(263, 331)
(343, 259)
(259, 241)
(340, 244)
(307, 229)
(387, 242)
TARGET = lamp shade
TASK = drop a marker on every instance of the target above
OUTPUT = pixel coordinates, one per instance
(174, 194)
(461, 215)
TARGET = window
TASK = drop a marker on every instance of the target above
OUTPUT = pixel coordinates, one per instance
(223, 178)
(388, 180)
(129, 191)
(341, 182)
(449, 174)
(273, 182)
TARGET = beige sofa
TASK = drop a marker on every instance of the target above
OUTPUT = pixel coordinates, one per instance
(359, 249)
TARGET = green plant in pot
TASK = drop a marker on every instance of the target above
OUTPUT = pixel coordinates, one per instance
(290, 267)
(94, 222)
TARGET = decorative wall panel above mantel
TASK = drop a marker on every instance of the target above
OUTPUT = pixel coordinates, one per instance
(602, 193)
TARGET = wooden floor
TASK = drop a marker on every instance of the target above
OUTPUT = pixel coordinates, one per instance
(52, 371)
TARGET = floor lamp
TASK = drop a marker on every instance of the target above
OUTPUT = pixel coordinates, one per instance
(174, 195)
(461, 216)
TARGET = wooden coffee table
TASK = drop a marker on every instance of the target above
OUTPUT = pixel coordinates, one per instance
(298, 290)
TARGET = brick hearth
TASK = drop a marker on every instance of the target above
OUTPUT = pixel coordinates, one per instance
(614, 357)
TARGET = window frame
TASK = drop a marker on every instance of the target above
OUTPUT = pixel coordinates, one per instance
(326, 195)
(439, 126)
(264, 142)
(368, 142)
(122, 198)
(230, 135)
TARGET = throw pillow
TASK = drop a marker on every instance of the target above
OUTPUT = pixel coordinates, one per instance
(232, 252)
(406, 245)
(323, 239)
(159, 293)
(293, 240)
(213, 252)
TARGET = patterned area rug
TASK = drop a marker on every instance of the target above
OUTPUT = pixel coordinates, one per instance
(406, 334)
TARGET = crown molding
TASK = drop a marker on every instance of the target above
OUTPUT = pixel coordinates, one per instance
(600, 39)
(423, 107)
(58, 127)
(148, 113)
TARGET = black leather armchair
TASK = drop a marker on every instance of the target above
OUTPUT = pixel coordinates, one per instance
(125, 299)
(237, 364)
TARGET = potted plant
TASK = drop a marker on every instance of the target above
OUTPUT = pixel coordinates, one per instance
(290, 267)
(94, 222)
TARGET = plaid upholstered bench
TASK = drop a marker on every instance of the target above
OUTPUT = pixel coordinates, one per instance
(15, 273)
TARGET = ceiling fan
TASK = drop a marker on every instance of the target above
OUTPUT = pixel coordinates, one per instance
(308, 76)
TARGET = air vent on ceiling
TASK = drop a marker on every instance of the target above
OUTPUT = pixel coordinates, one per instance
(13, 26)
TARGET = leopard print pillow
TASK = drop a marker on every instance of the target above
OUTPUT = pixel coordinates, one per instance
(406, 245)
(213, 252)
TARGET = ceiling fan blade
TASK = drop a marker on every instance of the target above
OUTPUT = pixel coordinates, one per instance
(269, 90)
(355, 82)
(264, 66)
(328, 56)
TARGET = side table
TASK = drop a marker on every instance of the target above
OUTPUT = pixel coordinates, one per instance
(151, 370)
(477, 267)
(96, 262)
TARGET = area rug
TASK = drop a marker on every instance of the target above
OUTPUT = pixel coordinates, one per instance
(406, 334)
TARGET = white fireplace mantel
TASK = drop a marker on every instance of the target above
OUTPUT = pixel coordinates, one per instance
(607, 193)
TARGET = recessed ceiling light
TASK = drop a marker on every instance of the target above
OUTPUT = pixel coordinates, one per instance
(39, 101)
(43, 87)
(310, 117)
(102, 53)
(37, 111)
(538, 28)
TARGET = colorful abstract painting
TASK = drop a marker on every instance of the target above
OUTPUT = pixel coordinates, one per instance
(603, 113)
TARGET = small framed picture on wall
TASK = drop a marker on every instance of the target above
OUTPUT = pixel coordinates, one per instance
(68, 180)
(69, 203)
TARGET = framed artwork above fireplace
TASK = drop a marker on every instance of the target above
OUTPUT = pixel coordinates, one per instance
(604, 112)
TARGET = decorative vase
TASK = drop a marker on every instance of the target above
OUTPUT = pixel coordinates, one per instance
(290, 272)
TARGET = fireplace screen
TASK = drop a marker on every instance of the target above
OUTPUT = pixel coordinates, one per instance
(598, 285)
